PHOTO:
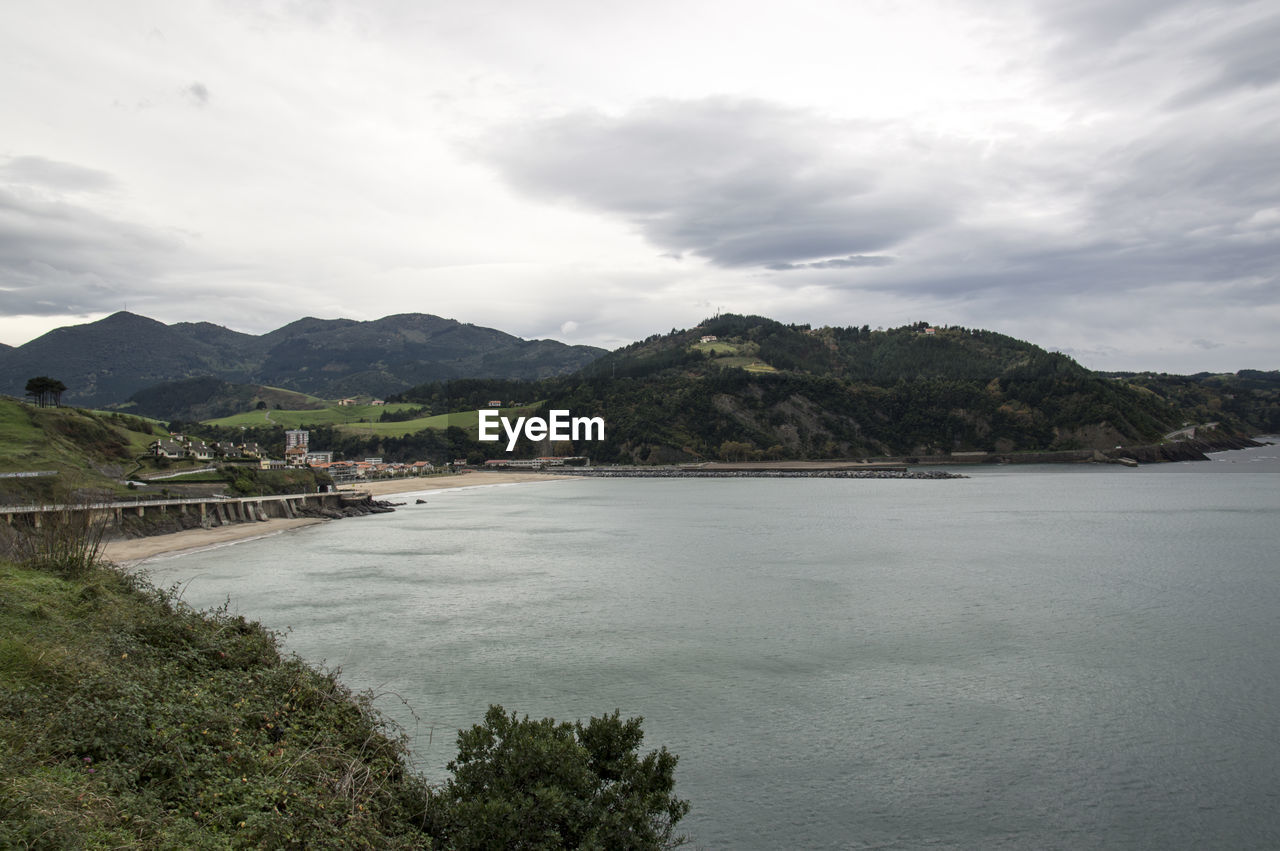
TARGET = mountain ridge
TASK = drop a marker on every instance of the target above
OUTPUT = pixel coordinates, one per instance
(106, 361)
(751, 388)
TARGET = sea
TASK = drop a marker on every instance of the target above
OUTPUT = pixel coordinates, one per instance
(1038, 657)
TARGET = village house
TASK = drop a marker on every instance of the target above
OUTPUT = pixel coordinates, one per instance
(200, 450)
(168, 449)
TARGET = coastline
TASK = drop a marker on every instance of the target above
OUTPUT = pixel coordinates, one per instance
(128, 552)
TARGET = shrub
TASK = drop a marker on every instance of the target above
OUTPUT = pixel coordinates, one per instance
(541, 785)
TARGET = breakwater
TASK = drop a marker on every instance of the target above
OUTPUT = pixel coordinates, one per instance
(681, 473)
(1186, 449)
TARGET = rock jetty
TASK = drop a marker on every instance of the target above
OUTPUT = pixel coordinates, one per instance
(679, 473)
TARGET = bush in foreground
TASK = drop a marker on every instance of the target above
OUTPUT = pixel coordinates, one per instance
(522, 784)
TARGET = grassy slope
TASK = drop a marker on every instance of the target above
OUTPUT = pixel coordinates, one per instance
(89, 450)
(332, 415)
(348, 419)
(128, 722)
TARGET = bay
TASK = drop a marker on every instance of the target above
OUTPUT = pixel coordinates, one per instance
(1032, 657)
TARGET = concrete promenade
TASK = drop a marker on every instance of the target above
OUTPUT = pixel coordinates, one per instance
(213, 511)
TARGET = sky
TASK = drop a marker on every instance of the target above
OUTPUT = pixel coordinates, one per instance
(1100, 177)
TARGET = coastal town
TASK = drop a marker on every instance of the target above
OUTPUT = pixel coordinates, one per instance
(297, 453)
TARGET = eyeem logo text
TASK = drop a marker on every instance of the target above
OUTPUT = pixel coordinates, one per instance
(560, 426)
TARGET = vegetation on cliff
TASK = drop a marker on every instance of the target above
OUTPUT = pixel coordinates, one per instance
(127, 719)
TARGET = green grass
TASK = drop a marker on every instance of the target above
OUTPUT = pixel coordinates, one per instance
(332, 415)
(469, 420)
(19, 435)
(718, 348)
(129, 720)
(89, 450)
(189, 478)
(735, 355)
(347, 419)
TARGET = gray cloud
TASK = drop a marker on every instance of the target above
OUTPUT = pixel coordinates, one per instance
(855, 261)
(197, 93)
(51, 174)
(1182, 51)
(1242, 57)
(741, 183)
(61, 257)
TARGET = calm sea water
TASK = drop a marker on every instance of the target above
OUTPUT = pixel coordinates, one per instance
(1033, 657)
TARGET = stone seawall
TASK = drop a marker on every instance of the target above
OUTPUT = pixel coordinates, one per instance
(1178, 450)
(157, 517)
(675, 473)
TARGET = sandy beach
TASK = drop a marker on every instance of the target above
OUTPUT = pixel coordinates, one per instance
(134, 550)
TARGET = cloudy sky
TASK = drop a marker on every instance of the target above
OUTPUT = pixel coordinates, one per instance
(1101, 177)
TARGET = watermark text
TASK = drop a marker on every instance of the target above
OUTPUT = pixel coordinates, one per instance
(559, 425)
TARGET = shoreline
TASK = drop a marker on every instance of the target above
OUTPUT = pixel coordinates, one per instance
(129, 552)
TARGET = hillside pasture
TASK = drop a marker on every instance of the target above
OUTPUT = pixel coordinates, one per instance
(335, 415)
(720, 348)
(468, 420)
(348, 418)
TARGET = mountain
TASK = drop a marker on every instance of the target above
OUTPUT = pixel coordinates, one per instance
(764, 390)
(106, 361)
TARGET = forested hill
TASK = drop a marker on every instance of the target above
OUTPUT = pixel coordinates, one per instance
(1249, 398)
(105, 362)
(763, 389)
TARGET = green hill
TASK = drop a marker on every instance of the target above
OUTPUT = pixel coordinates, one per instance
(88, 450)
(763, 389)
(1249, 398)
(107, 361)
(207, 397)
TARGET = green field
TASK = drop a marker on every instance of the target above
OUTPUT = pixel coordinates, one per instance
(719, 348)
(348, 418)
(88, 450)
(468, 420)
(332, 415)
(740, 355)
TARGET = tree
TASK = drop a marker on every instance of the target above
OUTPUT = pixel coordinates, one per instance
(522, 784)
(45, 391)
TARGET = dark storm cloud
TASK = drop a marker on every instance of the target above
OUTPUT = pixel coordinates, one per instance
(59, 257)
(741, 183)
